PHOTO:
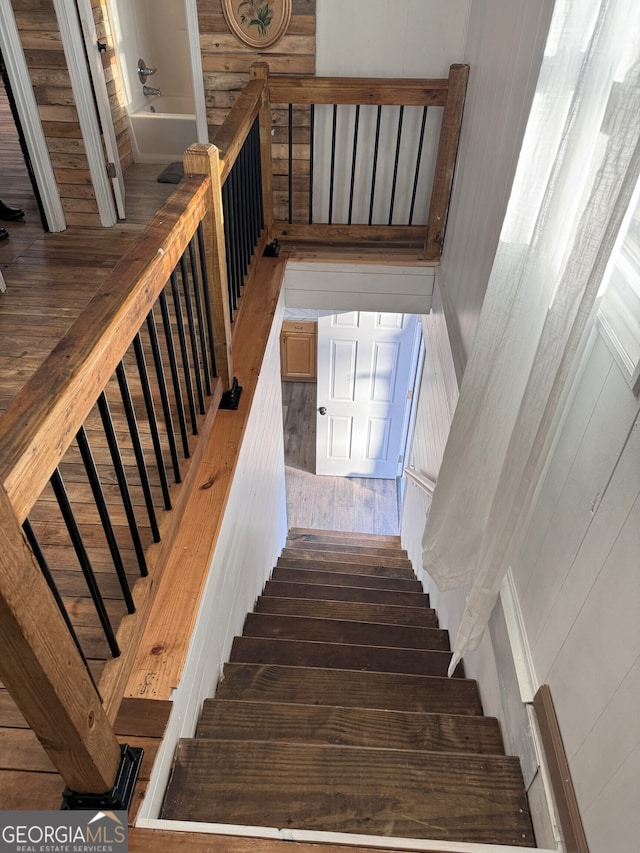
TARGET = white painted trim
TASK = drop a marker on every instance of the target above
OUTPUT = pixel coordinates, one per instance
(520, 649)
(73, 44)
(27, 108)
(453, 327)
(3, 286)
(421, 481)
(310, 836)
(547, 785)
(195, 55)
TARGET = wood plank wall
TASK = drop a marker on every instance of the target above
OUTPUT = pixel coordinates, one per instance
(42, 44)
(113, 79)
(226, 63)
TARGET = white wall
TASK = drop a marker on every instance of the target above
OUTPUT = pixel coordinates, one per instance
(578, 582)
(504, 49)
(358, 287)
(389, 38)
(251, 537)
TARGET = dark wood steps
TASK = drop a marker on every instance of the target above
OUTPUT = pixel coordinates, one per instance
(334, 712)
(335, 556)
(307, 575)
(362, 550)
(345, 789)
(315, 686)
(344, 631)
(343, 537)
(287, 589)
(280, 721)
(340, 656)
(344, 567)
(388, 614)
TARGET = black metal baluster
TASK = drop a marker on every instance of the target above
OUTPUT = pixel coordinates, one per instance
(353, 160)
(207, 297)
(195, 278)
(151, 417)
(103, 511)
(244, 220)
(184, 352)
(290, 163)
(175, 374)
(418, 164)
(227, 206)
(41, 560)
(235, 232)
(164, 396)
(193, 338)
(256, 181)
(395, 166)
(121, 476)
(333, 160)
(137, 449)
(312, 120)
(83, 558)
(374, 170)
(259, 178)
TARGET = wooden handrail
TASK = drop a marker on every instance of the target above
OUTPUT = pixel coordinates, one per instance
(41, 422)
(290, 89)
(231, 136)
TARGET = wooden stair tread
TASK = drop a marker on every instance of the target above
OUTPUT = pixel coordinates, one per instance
(294, 723)
(288, 589)
(345, 789)
(345, 567)
(303, 575)
(384, 614)
(336, 556)
(340, 656)
(345, 548)
(344, 631)
(344, 536)
(382, 690)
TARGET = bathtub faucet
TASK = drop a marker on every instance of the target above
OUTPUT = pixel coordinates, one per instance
(150, 90)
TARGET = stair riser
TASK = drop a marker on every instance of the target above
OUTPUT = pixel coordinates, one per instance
(272, 721)
(344, 567)
(361, 550)
(333, 556)
(335, 656)
(416, 617)
(319, 592)
(385, 691)
(341, 789)
(340, 631)
(301, 575)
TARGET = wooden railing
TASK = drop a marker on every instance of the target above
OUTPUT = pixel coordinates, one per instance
(351, 143)
(223, 210)
(181, 256)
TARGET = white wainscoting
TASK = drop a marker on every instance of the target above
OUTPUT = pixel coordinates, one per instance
(251, 537)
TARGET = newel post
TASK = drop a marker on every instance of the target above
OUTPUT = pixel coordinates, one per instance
(446, 161)
(204, 159)
(260, 71)
(44, 673)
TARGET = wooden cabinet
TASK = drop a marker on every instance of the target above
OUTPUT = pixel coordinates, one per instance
(298, 350)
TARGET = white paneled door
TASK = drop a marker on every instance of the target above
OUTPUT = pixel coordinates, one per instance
(364, 376)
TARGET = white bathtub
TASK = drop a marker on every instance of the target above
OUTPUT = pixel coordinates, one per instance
(162, 129)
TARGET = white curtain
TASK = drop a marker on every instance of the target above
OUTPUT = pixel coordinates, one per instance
(575, 177)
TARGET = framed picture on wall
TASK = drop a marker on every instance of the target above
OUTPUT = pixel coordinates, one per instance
(257, 23)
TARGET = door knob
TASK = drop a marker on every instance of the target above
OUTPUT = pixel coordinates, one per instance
(322, 410)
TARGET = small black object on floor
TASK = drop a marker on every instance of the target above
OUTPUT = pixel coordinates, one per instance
(173, 174)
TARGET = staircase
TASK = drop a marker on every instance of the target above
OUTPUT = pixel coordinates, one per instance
(335, 712)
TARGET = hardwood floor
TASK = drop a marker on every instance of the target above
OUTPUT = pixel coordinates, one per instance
(356, 504)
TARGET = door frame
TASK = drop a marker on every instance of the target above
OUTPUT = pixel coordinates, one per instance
(195, 58)
(27, 109)
(88, 29)
(73, 44)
